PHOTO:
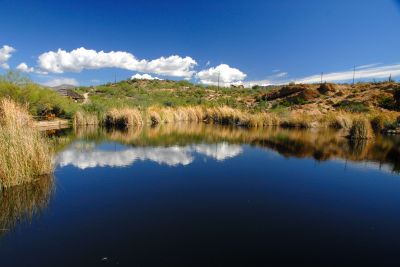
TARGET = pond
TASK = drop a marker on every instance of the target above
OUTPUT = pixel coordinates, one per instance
(203, 195)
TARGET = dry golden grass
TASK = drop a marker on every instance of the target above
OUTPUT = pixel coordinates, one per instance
(338, 120)
(24, 153)
(298, 120)
(225, 115)
(361, 129)
(84, 119)
(124, 117)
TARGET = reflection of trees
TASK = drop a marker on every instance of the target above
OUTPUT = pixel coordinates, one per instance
(21, 203)
(320, 144)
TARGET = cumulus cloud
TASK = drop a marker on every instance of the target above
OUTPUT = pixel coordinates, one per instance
(366, 72)
(259, 82)
(5, 54)
(224, 73)
(60, 81)
(82, 58)
(144, 77)
(24, 67)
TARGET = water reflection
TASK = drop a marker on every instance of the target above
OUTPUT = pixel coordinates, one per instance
(177, 144)
(85, 156)
(22, 203)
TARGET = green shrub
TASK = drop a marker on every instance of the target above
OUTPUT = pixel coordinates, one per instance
(352, 106)
(396, 97)
(387, 103)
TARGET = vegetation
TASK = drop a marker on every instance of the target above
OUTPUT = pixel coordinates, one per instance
(137, 102)
(24, 153)
(396, 96)
(124, 117)
(352, 106)
(361, 129)
(39, 100)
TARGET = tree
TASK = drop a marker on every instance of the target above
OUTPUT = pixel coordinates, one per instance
(15, 77)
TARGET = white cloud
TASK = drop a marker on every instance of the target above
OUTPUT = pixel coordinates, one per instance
(224, 73)
(81, 58)
(381, 72)
(144, 77)
(24, 67)
(5, 54)
(61, 81)
(367, 66)
(281, 74)
(275, 78)
(259, 82)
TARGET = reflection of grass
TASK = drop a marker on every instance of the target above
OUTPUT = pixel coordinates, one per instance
(24, 153)
(322, 144)
(21, 203)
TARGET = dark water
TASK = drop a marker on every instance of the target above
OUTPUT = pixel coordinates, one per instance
(197, 195)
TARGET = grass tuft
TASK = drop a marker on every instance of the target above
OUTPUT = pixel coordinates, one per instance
(361, 129)
(24, 153)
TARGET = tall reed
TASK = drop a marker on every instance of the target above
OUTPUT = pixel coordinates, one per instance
(124, 117)
(24, 153)
(85, 119)
(361, 129)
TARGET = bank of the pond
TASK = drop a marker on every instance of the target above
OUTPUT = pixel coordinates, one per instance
(359, 125)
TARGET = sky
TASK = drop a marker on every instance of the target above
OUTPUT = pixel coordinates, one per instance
(236, 42)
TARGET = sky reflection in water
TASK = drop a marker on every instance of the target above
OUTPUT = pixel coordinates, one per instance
(203, 195)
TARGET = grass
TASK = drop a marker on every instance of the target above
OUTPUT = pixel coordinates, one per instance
(124, 117)
(138, 102)
(24, 153)
(82, 118)
(361, 129)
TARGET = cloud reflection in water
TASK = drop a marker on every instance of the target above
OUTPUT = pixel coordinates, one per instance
(86, 156)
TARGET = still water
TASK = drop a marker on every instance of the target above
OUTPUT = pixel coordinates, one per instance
(200, 195)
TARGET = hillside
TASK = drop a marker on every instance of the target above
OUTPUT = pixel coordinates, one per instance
(310, 98)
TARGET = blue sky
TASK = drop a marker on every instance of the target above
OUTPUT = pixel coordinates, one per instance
(239, 41)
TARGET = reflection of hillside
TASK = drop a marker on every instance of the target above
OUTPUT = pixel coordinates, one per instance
(320, 144)
(22, 203)
(328, 145)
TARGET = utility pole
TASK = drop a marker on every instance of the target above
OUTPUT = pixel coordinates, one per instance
(322, 75)
(354, 73)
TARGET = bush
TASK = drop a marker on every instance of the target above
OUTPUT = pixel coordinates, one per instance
(41, 101)
(396, 97)
(361, 129)
(352, 106)
(387, 103)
